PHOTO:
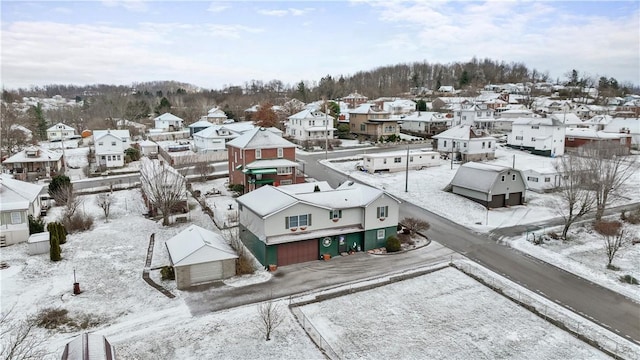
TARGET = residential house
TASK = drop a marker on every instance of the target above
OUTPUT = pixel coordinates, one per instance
(541, 136)
(168, 122)
(216, 116)
(372, 123)
(466, 143)
(447, 89)
(198, 126)
(259, 157)
(354, 100)
(478, 115)
(215, 137)
(542, 179)
(18, 200)
(35, 162)
(568, 119)
(310, 125)
(303, 222)
(448, 102)
(159, 183)
(148, 148)
(490, 185)
(200, 256)
(629, 125)
(110, 146)
(424, 123)
(577, 137)
(60, 131)
(399, 106)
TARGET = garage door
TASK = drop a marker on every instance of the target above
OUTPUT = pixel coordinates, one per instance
(514, 199)
(497, 201)
(297, 252)
(206, 272)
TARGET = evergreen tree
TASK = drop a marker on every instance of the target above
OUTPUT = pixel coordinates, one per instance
(421, 105)
(54, 250)
(41, 122)
(58, 182)
(464, 79)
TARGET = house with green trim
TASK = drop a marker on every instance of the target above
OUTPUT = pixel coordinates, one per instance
(303, 222)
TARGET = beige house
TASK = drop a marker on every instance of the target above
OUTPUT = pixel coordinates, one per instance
(368, 121)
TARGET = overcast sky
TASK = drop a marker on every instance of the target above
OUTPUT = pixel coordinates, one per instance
(212, 44)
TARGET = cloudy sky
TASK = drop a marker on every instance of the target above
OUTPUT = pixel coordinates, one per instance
(212, 44)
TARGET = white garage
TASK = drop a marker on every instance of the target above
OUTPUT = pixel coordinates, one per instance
(200, 256)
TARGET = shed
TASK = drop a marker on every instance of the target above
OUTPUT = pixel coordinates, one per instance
(39, 243)
(89, 346)
(397, 160)
(148, 148)
(199, 256)
(490, 185)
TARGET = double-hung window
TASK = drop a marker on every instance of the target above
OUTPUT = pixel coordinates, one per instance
(335, 214)
(382, 212)
(297, 221)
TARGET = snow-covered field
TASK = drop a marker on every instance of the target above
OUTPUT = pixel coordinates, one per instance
(584, 255)
(423, 318)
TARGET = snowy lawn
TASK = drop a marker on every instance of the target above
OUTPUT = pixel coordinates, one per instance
(423, 318)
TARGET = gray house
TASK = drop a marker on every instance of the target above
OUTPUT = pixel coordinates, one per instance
(492, 186)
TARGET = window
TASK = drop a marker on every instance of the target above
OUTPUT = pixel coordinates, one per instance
(113, 143)
(547, 179)
(479, 113)
(384, 161)
(363, 127)
(280, 152)
(258, 153)
(513, 177)
(502, 178)
(335, 214)
(119, 157)
(518, 137)
(533, 139)
(489, 144)
(535, 126)
(109, 158)
(445, 143)
(569, 138)
(380, 234)
(283, 170)
(464, 117)
(286, 182)
(483, 144)
(464, 144)
(100, 143)
(382, 212)
(16, 217)
(397, 160)
(411, 158)
(532, 179)
(240, 207)
(297, 220)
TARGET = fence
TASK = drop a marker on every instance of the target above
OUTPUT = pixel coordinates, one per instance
(585, 330)
(313, 333)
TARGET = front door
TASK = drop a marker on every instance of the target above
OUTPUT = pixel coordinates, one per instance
(342, 244)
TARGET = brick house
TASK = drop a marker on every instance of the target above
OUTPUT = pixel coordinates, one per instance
(261, 156)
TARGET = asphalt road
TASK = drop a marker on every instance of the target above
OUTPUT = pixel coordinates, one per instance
(603, 306)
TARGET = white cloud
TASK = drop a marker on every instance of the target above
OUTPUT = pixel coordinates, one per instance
(218, 6)
(130, 5)
(62, 10)
(285, 12)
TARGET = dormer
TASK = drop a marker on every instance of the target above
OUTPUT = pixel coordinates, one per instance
(32, 152)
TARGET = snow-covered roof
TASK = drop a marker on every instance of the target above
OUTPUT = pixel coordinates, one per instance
(89, 346)
(617, 124)
(399, 153)
(537, 121)
(60, 126)
(147, 143)
(566, 118)
(278, 200)
(234, 129)
(43, 155)
(589, 133)
(196, 245)
(200, 123)
(271, 163)
(259, 138)
(310, 114)
(168, 117)
(477, 176)
(121, 134)
(422, 116)
(463, 132)
(367, 109)
(319, 128)
(216, 112)
(16, 194)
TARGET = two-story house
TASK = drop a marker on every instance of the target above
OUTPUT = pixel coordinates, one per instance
(18, 200)
(541, 136)
(310, 125)
(110, 146)
(60, 131)
(35, 162)
(215, 116)
(261, 156)
(354, 100)
(303, 222)
(424, 123)
(372, 123)
(215, 137)
(478, 115)
(466, 143)
(168, 122)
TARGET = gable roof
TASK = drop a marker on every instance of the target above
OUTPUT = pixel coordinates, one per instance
(310, 114)
(588, 133)
(16, 194)
(120, 134)
(196, 245)
(259, 138)
(200, 123)
(168, 117)
(367, 109)
(43, 155)
(60, 126)
(463, 132)
(478, 176)
(537, 121)
(566, 118)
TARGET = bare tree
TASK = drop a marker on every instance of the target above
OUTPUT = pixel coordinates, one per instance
(270, 316)
(104, 201)
(244, 265)
(614, 236)
(18, 339)
(575, 198)
(163, 186)
(203, 168)
(415, 225)
(610, 170)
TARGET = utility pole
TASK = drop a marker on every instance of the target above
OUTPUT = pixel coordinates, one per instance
(406, 174)
(326, 131)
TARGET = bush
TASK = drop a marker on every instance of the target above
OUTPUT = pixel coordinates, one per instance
(629, 279)
(35, 225)
(632, 218)
(393, 244)
(54, 247)
(168, 273)
(237, 188)
(52, 318)
(58, 182)
(59, 230)
(132, 153)
(78, 222)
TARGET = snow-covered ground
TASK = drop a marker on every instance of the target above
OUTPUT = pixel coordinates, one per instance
(584, 255)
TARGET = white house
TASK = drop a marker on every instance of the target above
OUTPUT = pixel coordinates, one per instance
(428, 123)
(110, 146)
(148, 148)
(541, 136)
(168, 122)
(479, 115)
(446, 89)
(310, 125)
(305, 221)
(200, 256)
(542, 179)
(18, 200)
(466, 143)
(628, 125)
(397, 160)
(399, 106)
(215, 137)
(199, 126)
(60, 131)
(215, 116)
(568, 119)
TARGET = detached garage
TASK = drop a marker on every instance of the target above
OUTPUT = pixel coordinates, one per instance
(200, 256)
(492, 186)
